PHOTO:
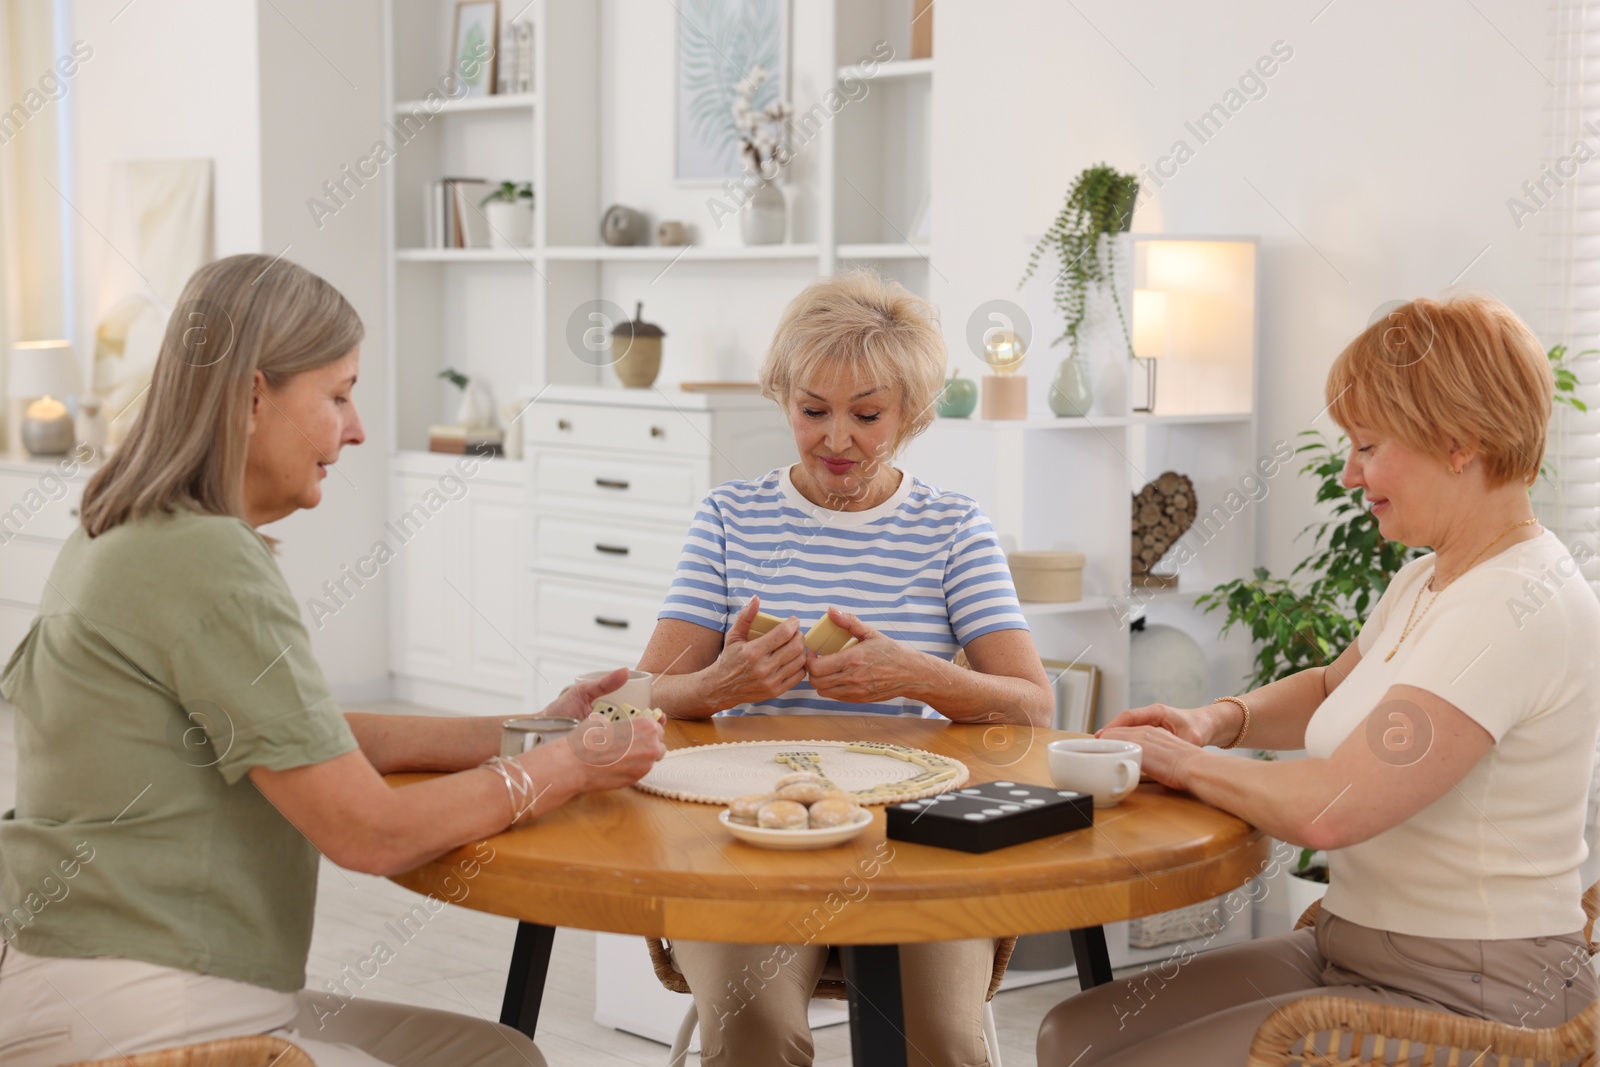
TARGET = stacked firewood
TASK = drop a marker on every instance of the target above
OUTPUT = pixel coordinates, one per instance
(1162, 512)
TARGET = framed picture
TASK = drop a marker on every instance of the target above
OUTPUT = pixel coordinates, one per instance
(1077, 690)
(718, 42)
(473, 50)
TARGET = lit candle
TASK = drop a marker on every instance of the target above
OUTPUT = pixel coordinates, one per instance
(46, 408)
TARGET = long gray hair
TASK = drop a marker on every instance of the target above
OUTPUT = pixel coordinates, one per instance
(189, 442)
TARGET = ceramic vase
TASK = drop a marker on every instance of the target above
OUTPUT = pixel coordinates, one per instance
(1070, 392)
(765, 219)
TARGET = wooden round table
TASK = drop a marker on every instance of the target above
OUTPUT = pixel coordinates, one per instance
(628, 862)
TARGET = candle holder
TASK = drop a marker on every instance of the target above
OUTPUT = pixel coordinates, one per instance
(47, 428)
(41, 372)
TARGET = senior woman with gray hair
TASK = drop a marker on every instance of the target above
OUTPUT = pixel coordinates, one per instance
(913, 572)
(182, 762)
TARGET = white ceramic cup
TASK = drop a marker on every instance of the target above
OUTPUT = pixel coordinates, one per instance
(635, 691)
(1105, 768)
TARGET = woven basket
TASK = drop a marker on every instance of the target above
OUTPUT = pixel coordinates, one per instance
(1180, 924)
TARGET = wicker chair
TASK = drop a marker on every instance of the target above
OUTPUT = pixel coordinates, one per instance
(258, 1050)
(1438, 1037)
(831, 987)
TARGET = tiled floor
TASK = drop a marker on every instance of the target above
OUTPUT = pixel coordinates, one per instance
(458, 962)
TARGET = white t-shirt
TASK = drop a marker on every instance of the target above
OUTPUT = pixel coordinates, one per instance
(1515, 645)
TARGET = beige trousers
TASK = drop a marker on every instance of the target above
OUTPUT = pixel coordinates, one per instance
(752, 1001)
(1204, 1011)
(55, 1011)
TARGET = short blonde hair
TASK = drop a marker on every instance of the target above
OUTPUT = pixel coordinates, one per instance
(861, 321)
(1464, 370)
(189, 442)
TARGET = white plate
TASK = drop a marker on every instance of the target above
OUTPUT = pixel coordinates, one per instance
(796, 840)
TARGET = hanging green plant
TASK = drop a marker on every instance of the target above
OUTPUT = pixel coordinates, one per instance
(1101, 201)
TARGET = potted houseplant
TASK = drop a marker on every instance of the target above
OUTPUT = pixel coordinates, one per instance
(509, 211)
(1307, 882)
(1099, 206)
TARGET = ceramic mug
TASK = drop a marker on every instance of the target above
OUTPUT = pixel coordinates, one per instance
(635, 691)
(1105, 768)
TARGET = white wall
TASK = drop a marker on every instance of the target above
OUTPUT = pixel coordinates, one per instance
(240, 83)
(175, 80)
(322, 97)
(1390, 141)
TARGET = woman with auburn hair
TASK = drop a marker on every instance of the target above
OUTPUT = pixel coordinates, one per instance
(1448, 749)
(913, 572)
(181, 761)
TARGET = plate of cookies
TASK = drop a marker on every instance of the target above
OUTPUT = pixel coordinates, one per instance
(803, 811)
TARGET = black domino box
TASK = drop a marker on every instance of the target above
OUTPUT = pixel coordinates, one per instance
(982, 818)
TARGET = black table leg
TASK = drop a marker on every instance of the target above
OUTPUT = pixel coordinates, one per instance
(530, 961)
(877, 1016)
(1094, 960)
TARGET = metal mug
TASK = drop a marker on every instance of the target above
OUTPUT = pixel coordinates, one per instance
(523, 735)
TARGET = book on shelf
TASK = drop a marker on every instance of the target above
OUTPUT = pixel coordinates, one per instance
(452, 215)
(514, 67)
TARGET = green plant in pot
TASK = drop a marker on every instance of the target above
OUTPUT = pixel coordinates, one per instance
(1308, 618)
(1099, 205)
(509, 211)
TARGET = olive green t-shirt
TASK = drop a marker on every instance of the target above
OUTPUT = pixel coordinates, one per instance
(168, 658)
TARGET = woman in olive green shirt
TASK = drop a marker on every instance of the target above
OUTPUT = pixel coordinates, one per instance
(181, 761)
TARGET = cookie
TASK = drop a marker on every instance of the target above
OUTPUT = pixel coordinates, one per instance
(833, 812)
(782, 815)
(746, 808)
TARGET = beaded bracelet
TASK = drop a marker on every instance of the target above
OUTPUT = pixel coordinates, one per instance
(503, 766)
(1242, 726)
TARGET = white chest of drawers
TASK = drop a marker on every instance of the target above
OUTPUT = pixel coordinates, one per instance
(615, 476)
(39, 501)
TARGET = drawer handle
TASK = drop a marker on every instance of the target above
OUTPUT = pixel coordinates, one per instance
(563, 424)
(656, 431)
(611, 483)
(611, 550)
(615, 624)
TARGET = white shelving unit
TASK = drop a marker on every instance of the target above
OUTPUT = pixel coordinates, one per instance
(860, 191)
(502, 314)
(1048, 482)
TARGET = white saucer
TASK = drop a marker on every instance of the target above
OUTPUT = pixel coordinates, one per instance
(796, 840)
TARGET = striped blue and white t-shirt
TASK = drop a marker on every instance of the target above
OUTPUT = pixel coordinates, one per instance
(924, 567)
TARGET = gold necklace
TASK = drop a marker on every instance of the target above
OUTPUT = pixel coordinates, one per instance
(1413, 618)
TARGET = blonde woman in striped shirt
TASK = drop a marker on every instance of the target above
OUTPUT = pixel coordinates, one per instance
(914, 573)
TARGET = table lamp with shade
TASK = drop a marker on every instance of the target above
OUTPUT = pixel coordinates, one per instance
(1149, 338)
(42, 375)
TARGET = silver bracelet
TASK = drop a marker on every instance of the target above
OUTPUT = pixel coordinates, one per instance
(523, 787)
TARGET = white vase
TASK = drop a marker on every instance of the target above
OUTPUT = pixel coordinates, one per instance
(765, 219)
(510, 223)
(1103, 335)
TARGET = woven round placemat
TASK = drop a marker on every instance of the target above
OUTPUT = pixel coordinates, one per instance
(716, 774)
